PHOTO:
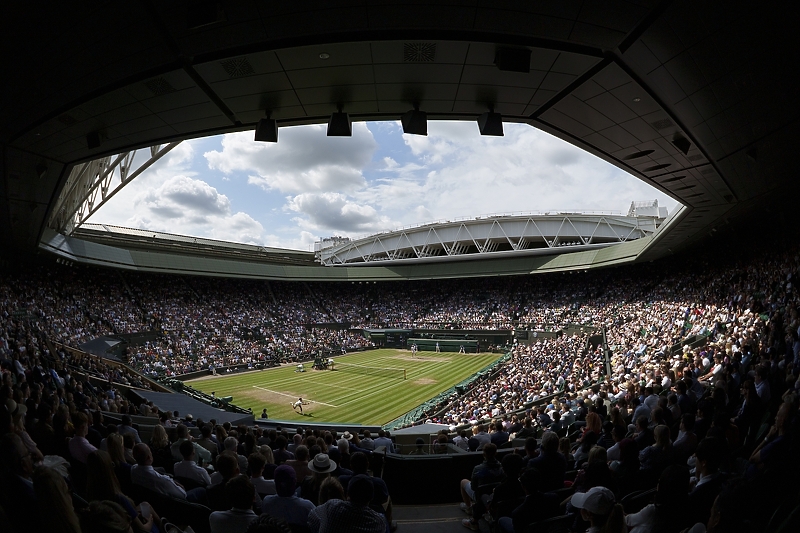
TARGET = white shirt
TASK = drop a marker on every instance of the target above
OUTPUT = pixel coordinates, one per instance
(80, 448)
(263, 486)
(190, 470)
(148, 478)
(643, 521)
(614, 453)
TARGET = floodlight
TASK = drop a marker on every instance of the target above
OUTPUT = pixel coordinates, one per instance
(267, 130)
(339, 125)
(415, 122)
(491, 123)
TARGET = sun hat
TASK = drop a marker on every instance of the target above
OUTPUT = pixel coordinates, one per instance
(347, 435)
(322, 464)
(597, 500)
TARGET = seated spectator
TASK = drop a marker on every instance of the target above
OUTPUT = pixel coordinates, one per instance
(643, 437)
(321, 468)
(500, 435)
(598, 507)
(420, 447)
(708, 479)
(54, 502)
(206, 442)
(481, 437)
(595, 472)
(237, 519)
(461, 440)
(618, 434)
(300, 462)
(143, 474)
(280, 452)
(227, 468)
(160, 448)
(125, 428)
(331, 489)
(668, 513)
(188, 468)
(626, 470)
(532, 450)
(551, 464)
(536, 506)
(202, 455)
(509, 494)
(285, 504)
(367, 443)
(385, 441)
(106, 517)
(565, 449)
(16, 485)
(339, 516)
(655, 457)
(488, 472)
(686, 442)
(527, 430)
(255, 467)
(380, 500)
(79, 447)
(102, 484)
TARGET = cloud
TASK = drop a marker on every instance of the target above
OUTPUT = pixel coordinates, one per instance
(304, 160)
(334, 211)
(182, 195)
(309, 186)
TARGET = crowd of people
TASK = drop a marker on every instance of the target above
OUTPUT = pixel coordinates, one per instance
(712, 425)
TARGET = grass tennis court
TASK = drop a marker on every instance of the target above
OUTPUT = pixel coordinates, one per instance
(347, 396)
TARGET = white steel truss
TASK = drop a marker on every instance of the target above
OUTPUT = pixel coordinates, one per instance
(92, 184)
(473, 239)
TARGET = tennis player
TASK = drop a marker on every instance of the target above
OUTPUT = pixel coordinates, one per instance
(299, 403)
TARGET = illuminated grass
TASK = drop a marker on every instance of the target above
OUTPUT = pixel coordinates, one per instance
(339, 396)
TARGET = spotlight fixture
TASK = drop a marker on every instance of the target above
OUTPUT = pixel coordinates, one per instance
(415, 122)
(637, 99)
(267, 130)
(491, 123)
(324, 55)
(339, 124)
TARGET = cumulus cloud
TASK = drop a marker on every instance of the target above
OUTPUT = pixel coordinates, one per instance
(334, 211)
(304, 160)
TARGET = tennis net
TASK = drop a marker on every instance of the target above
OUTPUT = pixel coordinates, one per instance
(394, 373)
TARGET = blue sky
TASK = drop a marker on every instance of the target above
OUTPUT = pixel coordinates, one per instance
(309, 186)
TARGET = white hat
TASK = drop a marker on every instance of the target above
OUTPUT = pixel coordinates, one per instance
(322, 464)
(597, 500)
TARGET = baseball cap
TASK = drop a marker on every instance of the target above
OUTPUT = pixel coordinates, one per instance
(597, 500)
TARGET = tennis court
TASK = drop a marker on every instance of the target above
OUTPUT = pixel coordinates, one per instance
(366, 387)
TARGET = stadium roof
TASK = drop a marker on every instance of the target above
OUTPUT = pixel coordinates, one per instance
(693, 98)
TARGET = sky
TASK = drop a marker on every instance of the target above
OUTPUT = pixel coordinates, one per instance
(309, 186)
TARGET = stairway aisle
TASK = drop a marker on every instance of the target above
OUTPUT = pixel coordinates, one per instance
(444, 518)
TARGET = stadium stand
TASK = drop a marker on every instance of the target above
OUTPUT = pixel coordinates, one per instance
(727, 403)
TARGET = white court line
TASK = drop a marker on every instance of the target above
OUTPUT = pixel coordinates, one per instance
(290, 395)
